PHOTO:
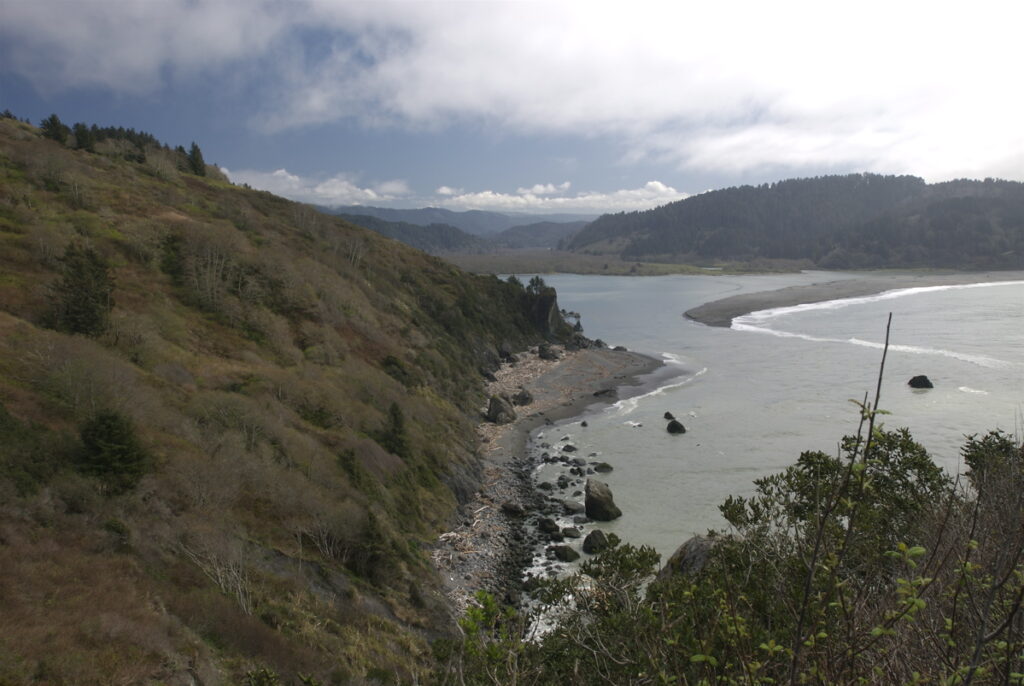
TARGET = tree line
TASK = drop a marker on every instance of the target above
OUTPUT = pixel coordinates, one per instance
(851, 221)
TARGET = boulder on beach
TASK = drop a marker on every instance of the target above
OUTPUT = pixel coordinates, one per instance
(500, 411)
(546, 352)
(688, 559)
(522, 397)
(675, 427)
(512, 509)
(920, 381)
(599, 502)
(595, 542)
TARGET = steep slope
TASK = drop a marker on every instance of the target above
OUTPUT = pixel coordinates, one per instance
(228, 424)
(432, 238)
(859, 220)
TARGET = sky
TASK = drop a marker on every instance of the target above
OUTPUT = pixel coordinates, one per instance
(544, 107)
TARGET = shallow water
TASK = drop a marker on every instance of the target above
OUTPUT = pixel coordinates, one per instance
(780, 382)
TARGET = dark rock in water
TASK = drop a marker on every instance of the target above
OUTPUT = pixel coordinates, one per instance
(547, 525)
(579, 462)
(920, 381)
(545, 486)
(602, 467)
(573, 507)
(581, 519)
(500, 411)
(595, 542)
(522, 397)
(556, 537)
(605, 393)
(564, 553)
(584, 423)
(568, 448)
(669, 415)
(599, 502)
(562, 481)
(512, 509)
(620, 348)
(675, 427)
(571, 532)
(689, 558)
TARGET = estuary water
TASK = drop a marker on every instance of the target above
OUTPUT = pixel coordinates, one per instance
(779, 382)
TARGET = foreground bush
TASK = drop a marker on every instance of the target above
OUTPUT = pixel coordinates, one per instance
(872, 567)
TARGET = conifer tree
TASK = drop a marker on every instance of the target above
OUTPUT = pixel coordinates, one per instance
(84, 137)
(195, 160)
(53, 128)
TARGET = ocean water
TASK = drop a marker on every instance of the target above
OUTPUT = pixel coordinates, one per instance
(780, 382)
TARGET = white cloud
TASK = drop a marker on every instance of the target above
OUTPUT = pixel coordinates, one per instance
(337, 190)
(544, 189)
(651, 194)
(724, 87)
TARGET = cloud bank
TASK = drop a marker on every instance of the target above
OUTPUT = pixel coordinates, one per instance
(539, 198)
(910, 87)
(336, 190)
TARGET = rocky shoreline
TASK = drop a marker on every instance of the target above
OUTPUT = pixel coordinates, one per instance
(497, 534)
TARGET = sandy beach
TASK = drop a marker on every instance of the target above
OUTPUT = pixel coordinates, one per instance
(489, 547)
(722, 312)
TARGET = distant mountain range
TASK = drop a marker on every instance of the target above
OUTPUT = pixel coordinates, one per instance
(852, 221)
(477, 222)
(438, 238)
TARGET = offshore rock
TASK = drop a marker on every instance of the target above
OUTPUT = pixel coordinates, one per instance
(599, 502)
(675, 427)
(920, 381)
(595, 542)
(564, 553)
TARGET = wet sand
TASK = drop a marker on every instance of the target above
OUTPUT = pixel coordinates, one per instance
(722, 312)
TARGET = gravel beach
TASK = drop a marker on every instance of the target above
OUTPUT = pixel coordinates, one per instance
(489, 547)
(722, 312)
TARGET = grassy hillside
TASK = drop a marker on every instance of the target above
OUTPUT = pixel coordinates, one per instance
(228, 425)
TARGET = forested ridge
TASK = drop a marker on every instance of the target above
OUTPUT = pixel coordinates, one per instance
(229, 424)
(838, 222)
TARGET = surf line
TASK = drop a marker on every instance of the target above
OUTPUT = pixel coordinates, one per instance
(629, 405)
(756, 322)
